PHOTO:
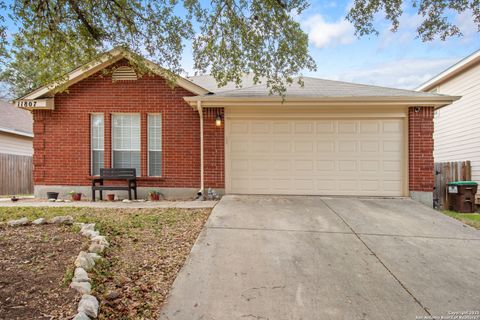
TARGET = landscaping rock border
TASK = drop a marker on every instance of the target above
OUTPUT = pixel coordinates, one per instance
(88, 307)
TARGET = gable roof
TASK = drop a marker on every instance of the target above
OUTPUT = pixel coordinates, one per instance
(315, 89)
(452, 71)
(15, 120)
(102, 62)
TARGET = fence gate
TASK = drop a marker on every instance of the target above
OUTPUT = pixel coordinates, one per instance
(446, 172)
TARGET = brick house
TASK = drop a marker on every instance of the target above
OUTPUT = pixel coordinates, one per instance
(324, 138)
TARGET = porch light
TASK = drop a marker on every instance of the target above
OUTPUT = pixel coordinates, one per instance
(218, 120)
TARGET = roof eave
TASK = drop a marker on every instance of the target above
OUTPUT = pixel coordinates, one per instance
(453, 71)
(218, 101)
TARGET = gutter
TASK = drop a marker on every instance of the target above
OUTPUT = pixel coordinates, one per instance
(200, 112)
(437, 101)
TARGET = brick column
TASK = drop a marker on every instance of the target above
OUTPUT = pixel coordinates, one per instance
(420, 146)
(214, 148)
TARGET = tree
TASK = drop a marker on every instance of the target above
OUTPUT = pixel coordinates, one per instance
(437, 16)
(229, 37)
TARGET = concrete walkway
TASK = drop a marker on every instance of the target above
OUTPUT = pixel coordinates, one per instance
(107, 204)
(291, 258)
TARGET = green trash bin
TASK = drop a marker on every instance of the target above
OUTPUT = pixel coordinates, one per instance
(461, 196)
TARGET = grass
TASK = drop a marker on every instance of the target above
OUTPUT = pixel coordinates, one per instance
(471, 219)
(112, 222)
(147, 249)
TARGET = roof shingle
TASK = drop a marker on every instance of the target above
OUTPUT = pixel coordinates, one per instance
(313, 87)
(15, 119)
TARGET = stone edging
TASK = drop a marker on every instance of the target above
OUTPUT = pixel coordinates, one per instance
(88, 307)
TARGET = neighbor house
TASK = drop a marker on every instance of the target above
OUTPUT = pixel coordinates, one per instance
(323, 138)
(16, 139)
(457, 127)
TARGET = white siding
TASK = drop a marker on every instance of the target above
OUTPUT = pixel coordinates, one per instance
(14, 144)
(457, 127)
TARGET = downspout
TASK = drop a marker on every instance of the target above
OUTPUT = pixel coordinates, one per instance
(200, 112)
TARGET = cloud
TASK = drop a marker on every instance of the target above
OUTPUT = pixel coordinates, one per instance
(466, 24)
(323, 34)
(405, 74)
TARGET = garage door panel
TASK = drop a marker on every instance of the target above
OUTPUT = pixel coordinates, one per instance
(369, 146)
(370, 166)
(239, 127)
(326, 126)
(260, 146)
(326, 186)
(282, 127)
(282, 146)
(303, 146)
(322, 156)
(391, 146)
(347, 165)
(391, 127)
(260, 127)
(238, 146)
(347, 127)
(369, 127)
(325, 146)
(305, 127)
(346, 146)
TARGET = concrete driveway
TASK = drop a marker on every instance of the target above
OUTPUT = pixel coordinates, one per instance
(289, 258)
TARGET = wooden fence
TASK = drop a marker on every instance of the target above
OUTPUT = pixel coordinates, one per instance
(446, 172)
(15, 174)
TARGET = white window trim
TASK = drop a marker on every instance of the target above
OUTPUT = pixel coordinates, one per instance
(139, 174)
(148, 144)
(91, 141)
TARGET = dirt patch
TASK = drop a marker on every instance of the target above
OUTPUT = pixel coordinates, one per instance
(36, 263)
(144, 263)
(147, 249)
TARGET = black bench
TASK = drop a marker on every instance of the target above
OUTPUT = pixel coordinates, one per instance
(128, 174)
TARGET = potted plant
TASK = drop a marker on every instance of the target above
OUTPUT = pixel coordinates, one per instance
(111, 197)
(76, 196)
(52, 195)
(154, 195)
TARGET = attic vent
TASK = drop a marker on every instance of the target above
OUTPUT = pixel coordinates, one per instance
(124, 73)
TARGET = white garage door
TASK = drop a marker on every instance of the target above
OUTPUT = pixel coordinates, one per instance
(315, 157)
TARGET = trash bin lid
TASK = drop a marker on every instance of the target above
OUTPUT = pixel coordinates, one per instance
(463, 183)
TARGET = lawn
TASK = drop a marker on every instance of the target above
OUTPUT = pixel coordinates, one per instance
(472, 219)
(147, 249)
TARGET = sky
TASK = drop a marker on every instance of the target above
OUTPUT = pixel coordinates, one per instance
(390, 59)
(397, 60)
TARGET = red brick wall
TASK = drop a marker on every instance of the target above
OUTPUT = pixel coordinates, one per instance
(420, 147)
(62, 136)
(214, 149)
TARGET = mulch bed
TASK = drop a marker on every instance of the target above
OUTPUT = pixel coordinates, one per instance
(35, 262)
